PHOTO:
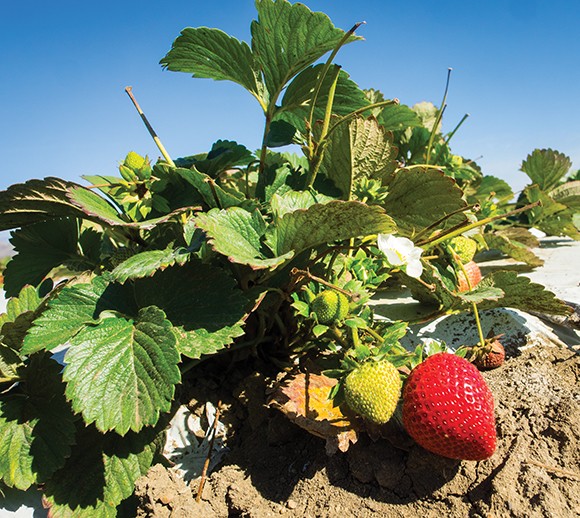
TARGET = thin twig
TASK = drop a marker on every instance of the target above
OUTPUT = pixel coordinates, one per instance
(305, 273)
(208, 458)
(150, 129)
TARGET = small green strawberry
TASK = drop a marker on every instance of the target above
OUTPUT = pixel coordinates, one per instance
(134, 160)
(464, 247)
(456, 161)
(330, 306)
(373, 390)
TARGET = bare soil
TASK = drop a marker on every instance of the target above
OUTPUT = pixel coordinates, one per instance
(276, 468)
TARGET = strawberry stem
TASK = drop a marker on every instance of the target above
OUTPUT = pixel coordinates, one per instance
(473, 304)
(460, 229)
(321, 78)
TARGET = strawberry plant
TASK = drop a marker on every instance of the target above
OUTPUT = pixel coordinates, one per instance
(122, 288)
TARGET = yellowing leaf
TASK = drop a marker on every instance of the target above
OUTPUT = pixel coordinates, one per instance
(303, 398)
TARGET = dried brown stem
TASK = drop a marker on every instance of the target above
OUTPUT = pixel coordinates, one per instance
(208, 458)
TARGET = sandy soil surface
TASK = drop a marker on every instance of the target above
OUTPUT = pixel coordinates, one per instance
(275, 468)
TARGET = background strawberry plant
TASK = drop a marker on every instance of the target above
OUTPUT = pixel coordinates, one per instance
(142, 276)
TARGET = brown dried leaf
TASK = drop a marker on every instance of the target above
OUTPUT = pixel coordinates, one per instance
(303, 398)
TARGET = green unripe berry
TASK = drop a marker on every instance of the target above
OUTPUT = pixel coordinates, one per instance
(373, 390)
(134, 161)
(330, 306)
(456, 161)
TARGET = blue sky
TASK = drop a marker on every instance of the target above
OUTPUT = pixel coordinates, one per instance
(63, 110)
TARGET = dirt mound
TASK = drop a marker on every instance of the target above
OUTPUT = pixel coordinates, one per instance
(276, 468)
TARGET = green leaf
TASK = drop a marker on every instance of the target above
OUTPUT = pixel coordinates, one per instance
(10, 363)
(94, 207)
(237, 233)
(36, 426)
(295, 108)
(552, 217)
(396, 117)
(437, 286)
(211, 53)
(40, 248)
(359, 149)
(325, 223)
(202, 302)
(294, 200)
(568, 194)
(490, 184)
(147, 263)
(505, 243)
(427, 113)
(40, 200)
(35, 201)
(20, 313)
(281, 133)
(121, 374)
(419, 197)
(287, 38)
(546, 167)
(521, 293)
(74, 308)
(224, 155)
(213, 195)
(480, 294)
(101, 473)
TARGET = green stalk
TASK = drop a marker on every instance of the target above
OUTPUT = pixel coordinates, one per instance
(460, 229)
(317, 158)
(264, 149)
(450, 135)
(439, 116)
(353, 114)
(321, 78)
(475, 207)
(433, 133)
(473, 304)
(150, 129)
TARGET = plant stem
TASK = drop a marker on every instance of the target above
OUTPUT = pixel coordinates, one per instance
(434, 132)
(321, 78)
(473, 304)
(439, 116)
(374, 334)
(208, 458)
(161, 147)
(460, 229)
(353, 296)
(450, 135)
(475, 207)
(316, 159)
(264, 149)
(354, 113)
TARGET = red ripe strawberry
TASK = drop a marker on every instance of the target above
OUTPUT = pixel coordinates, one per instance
(489, 357)
(448, 408)
(473, 274)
